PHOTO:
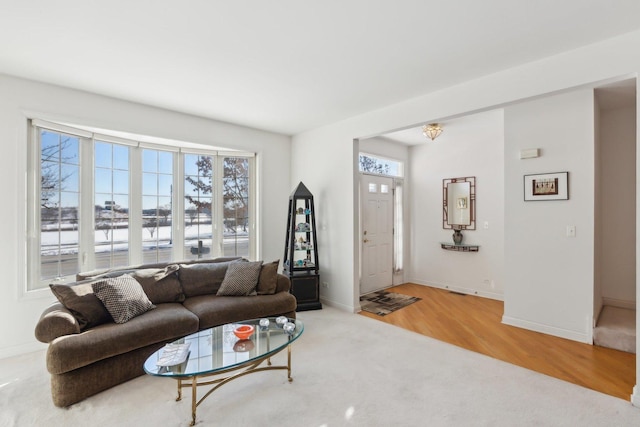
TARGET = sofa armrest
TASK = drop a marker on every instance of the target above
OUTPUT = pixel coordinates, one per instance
(55, 322)
(284, 284)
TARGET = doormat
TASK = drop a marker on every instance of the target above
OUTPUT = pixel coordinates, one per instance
(383, 302)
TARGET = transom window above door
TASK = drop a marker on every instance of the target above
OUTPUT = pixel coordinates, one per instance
(371, 163)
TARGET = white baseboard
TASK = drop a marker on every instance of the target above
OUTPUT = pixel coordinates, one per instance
(18, 350)
(546, 329)
(340, 306)
(612, 302)
(635, 396)
(460, 289)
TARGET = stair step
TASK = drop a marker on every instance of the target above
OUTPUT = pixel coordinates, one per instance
(616, 329)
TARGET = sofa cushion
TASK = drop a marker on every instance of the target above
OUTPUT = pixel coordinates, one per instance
(240, 279)
(214, 310)
(160, 284)
(117, 271)
(268, 279)
(203, 278)
(83, 304)
(166, 323)
(123, 297)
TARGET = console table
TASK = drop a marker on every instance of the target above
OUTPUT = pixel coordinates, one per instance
(460, 247)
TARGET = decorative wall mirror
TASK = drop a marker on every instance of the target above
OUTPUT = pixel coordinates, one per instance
(459, 203)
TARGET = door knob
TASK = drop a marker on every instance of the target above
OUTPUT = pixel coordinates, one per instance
(366, 240)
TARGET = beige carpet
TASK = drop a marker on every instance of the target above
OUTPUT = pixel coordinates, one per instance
(616, 329)
(349, 371)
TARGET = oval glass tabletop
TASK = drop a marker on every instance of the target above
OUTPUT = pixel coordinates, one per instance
(218, 349)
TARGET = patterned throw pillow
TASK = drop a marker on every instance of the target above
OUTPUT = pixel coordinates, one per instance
(241, 278)
(123, 297)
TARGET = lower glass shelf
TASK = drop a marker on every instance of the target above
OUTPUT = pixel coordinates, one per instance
(459, 248)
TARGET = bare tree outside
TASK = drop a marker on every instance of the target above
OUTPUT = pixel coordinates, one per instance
(164, 212)
(235, 183)
(236, 191)
(105, 226)
(52, 180)
(192, 214)
(151, 225)
(371, 164)
(201, 184)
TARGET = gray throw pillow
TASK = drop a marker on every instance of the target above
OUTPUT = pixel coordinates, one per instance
(268, 280)
(160, 284)
(83, 304)
(241, 279)
(123, 297)
(202, 279)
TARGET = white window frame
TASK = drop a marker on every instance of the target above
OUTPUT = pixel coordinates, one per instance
(86, 220)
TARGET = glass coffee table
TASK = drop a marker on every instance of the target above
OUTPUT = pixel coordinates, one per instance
(218, 352)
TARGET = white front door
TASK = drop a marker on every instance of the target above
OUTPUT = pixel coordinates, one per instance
(377, 232)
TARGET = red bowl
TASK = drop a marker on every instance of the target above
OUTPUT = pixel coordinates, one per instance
(244, 331)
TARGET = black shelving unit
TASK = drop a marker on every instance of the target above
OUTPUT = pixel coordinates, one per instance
(300, 262)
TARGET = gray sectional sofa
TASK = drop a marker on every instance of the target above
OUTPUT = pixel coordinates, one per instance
(88, 352)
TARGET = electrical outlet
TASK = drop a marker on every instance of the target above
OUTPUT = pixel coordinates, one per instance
(325, 284)
(571, 231)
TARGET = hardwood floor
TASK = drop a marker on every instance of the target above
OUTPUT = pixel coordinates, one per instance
(474, 323)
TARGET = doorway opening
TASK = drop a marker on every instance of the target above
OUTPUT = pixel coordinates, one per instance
(381, 222)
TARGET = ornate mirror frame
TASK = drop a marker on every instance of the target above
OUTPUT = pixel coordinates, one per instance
(471, 203)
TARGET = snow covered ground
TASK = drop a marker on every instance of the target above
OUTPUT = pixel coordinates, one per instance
(68, 239)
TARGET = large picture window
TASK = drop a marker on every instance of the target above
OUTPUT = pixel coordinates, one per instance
(98, 201)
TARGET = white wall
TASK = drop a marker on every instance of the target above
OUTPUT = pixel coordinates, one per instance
(597, 214)
(321, 166)
(469, 146)
(22, 99)
(617, 135)
(549, 275)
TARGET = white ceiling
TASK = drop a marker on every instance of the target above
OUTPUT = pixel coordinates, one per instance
(621, 94)
(289, 65)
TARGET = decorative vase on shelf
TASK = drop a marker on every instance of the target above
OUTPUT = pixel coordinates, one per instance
(457, 236)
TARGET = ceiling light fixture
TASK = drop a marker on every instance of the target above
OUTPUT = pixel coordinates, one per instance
(432, 130)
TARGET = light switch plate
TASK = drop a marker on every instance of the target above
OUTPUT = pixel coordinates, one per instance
(529, 153)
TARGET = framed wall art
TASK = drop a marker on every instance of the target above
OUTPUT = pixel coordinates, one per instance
(546, 186)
